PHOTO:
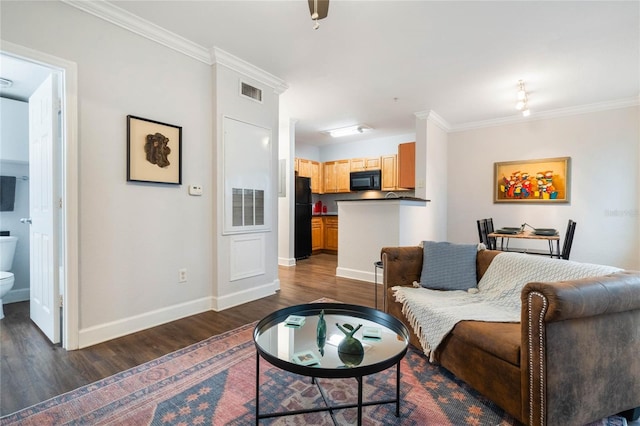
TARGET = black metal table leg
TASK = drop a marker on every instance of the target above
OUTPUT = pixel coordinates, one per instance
(398, 390)
(359, 400)
(257, 388)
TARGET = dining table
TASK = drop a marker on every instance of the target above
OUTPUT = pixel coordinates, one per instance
(549, 235)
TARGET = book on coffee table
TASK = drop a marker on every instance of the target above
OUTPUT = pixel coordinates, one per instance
(372, 333)
(305, 358)
(294, 321)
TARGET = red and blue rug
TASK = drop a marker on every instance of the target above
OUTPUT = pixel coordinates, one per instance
(213, 383)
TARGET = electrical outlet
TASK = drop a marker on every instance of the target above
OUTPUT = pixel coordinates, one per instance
(182, 275)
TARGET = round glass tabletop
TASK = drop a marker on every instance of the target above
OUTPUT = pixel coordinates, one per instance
(303, 350)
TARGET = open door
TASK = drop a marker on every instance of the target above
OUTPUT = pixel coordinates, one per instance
(43, 137)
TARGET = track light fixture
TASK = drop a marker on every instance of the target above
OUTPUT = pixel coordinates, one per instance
(523, 99)
(319, 10)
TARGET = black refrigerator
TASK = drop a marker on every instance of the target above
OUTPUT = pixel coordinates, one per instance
(302, 248)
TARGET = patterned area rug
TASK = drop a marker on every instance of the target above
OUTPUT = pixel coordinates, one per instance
(213, 382)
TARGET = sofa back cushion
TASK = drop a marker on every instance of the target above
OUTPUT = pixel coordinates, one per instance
(448, 266)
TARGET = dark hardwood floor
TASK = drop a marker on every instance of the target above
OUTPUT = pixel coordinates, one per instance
(33, 370)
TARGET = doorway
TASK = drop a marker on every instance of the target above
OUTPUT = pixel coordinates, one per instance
(62, 178)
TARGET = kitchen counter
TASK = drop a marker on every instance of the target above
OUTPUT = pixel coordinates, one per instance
(367, 225)
(387, 199)
(324, 214)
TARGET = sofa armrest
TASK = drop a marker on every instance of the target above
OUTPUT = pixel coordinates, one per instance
(579, 350)
(401, 265)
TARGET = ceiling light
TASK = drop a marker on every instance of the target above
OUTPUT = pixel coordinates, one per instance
(319, 10)
(523, 99)
(347, 131)
(5, 83)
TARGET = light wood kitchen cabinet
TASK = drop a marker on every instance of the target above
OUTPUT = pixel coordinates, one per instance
(304, 167)
(407, 165)
(324, 234)
(389, 173)
(343, 171)
(336, 176)
(329, 177)
(362, 164)
(310, 169)
(316, 178)
(317, 234)
(331, 233)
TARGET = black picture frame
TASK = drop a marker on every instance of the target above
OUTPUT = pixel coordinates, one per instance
(154, 151)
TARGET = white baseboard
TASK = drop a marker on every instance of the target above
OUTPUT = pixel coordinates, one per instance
(101, 333)
(283, 261)
(18, 295)
(355, 274)
(248, 295)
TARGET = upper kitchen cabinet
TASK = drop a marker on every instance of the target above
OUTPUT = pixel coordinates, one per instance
(389, 174)
(311, 169)
(304, 167)
(336, 176)
(407, 165)
(362, 164)
(316, 178)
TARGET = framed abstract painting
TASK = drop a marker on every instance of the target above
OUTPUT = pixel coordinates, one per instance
(154, 151)
(532, 181)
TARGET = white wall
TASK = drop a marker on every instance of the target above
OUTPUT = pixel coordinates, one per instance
(309, 152)
(603, 147)
(14, 130)
(431, 166)
(229, 291)
(14, 161)
(10, 221)
(133, 237)
(286, 144)
(368, 148)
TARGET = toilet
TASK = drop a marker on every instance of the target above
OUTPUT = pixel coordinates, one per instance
(7, 250)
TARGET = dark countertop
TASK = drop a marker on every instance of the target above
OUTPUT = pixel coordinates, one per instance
(324, 214)
(388, 199)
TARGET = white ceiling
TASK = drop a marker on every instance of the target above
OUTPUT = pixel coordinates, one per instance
(380, 62)
(26, 77)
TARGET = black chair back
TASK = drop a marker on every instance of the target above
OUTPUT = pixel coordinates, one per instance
(568, 240)
(491, 240)
(485, 227)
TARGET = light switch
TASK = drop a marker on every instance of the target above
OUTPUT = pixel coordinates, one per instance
(195, 189)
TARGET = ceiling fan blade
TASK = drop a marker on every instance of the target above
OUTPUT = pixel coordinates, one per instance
(323, 8)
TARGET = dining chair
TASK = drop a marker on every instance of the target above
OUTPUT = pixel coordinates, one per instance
(485, 227)
(491, 240)
(482, 230)
(568, 240)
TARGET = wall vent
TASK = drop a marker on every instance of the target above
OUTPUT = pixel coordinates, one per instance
(251, 92)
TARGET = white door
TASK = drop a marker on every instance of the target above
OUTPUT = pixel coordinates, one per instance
(43, 136)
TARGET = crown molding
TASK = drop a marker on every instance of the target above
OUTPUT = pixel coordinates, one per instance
(435, 118)
(219, 56)
(142, 27)
(554, 113)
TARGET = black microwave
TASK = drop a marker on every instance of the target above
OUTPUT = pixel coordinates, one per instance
(365, 181)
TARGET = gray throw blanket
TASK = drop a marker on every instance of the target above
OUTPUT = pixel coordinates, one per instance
(434, 313)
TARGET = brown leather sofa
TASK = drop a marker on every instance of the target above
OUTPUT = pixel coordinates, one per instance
(574, 357)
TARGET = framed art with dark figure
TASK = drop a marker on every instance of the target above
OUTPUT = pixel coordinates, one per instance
(154, 151)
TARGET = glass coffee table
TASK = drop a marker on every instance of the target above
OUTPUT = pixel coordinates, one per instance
(300, 350)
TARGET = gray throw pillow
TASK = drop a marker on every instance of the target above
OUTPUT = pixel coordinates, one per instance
(448, 266)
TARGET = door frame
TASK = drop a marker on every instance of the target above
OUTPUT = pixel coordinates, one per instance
(69, 279)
